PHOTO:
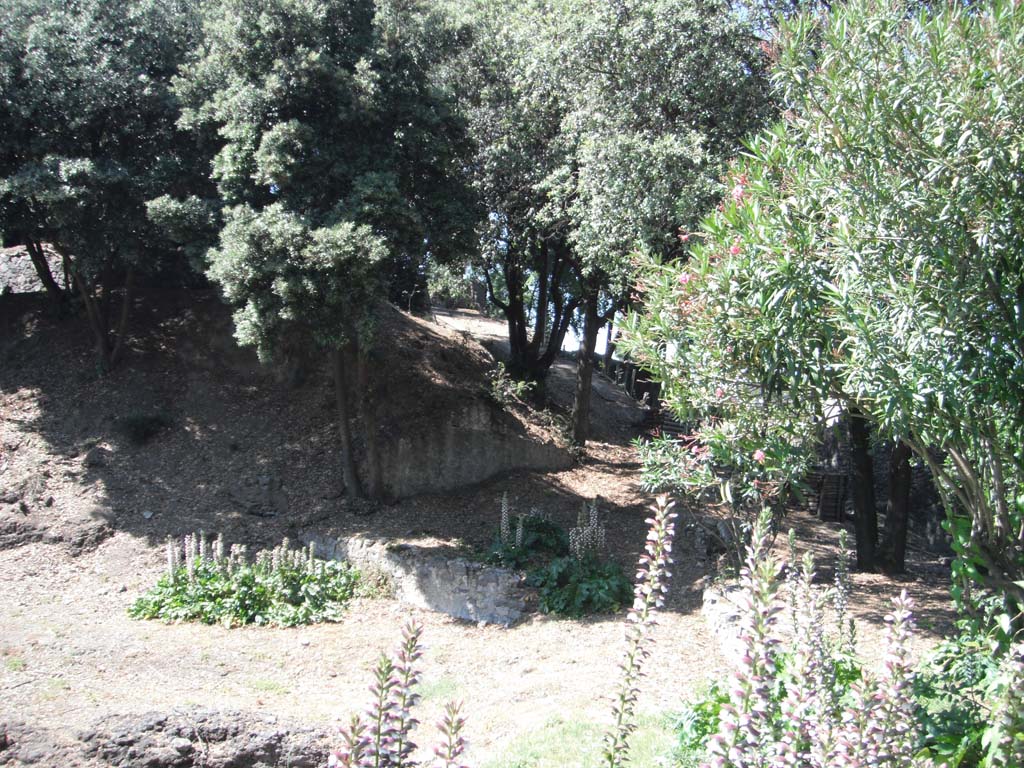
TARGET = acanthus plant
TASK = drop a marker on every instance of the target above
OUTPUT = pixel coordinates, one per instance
(652, 581)
(381, 738)
(809, 725)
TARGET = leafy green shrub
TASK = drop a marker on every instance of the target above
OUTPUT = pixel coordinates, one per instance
(504, 389)
(140, 428)
(571, 586)
(566, 567)
(961, 692)
(700, 717)
(533, 539)
(283, 587)
(698, 720)
(541, 538)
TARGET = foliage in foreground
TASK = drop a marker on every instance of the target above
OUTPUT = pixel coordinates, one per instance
(382, 735)
(870, 254)
(283, 587)
(801, 698)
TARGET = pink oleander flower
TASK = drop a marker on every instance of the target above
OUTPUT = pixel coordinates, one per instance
(735, 248)
(719, 393)
(759, 456)
(686, 277)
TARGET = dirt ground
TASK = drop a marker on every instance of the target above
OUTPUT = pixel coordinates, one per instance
(84, 513)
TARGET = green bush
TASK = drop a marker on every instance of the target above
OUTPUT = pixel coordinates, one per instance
(571, 586)
(699, 718)
(541, 539)
(955, 691)
(505, 390)
(283, 587)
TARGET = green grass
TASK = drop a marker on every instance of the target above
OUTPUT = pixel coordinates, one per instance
(439, 689)
(15, 664)
(267, 686)
(572, 743)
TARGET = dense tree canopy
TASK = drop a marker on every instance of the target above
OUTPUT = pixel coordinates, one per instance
(338, 170)
(508, 90)
(88, 135)
(599, 127)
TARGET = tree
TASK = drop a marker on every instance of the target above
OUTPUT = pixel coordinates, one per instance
(600, 127)
(514, 104)
(338, 171)
(871, 252)
(87, 137)
(662, 93)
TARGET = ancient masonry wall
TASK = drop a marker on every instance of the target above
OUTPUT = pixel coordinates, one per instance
(455, 586)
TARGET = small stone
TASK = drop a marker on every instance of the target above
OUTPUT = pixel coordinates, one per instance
(10, 498)
(481, 624)
(162, 756)
(182, 746)
(32, 755)
(95, 457)
(49, 501)
(147, 514)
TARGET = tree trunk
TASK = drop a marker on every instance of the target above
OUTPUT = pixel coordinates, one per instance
(585, 373)
(367, 416)
(540, 321)
(897, 511)
(341, 395)
(862, 488)
(529, 356)
(42, 267)
(97, 322)
(122, 324)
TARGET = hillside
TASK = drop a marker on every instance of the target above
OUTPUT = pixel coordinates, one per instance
(250, 452)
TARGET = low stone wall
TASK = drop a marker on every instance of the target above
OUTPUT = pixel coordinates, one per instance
(455, 586)
(721, 611)
(184, 738)
(470, 447)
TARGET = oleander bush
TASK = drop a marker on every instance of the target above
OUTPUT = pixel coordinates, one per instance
(208, 583)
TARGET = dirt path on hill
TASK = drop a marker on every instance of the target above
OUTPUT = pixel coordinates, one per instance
(90, 543)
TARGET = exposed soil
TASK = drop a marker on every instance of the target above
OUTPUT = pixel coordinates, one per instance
(84, 512)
